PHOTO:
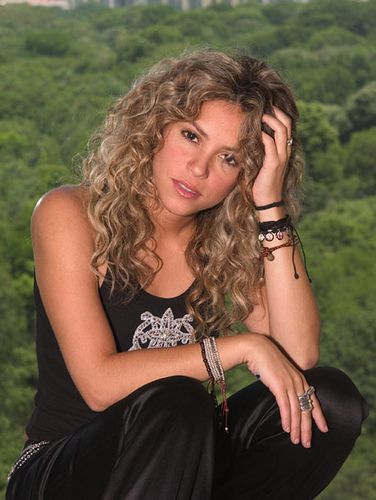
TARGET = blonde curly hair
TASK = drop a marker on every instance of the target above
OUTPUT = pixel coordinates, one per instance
(224, 252)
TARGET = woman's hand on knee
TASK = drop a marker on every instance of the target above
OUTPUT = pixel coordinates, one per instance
(287, 383)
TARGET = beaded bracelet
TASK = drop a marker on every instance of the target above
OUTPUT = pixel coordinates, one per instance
(268, 251)
(278, 233)
(211, 378)
(212, 361)
(271, 229)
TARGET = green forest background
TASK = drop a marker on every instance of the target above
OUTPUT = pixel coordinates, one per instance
(60, 70)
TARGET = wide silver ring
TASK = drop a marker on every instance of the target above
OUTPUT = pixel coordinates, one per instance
(305, 401)
(290, 141)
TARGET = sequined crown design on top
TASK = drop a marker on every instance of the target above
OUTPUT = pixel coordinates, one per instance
(163, 332)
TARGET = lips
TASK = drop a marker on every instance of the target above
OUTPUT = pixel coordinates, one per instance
(186, 189)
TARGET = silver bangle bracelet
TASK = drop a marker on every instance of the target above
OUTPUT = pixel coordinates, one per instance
(214, 361)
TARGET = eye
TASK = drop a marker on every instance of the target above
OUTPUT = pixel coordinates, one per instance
(190, 136)
(230, 160)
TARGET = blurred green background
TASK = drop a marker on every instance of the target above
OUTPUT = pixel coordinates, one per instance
(60, 70)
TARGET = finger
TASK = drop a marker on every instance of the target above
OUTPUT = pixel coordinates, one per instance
(276, 124)
(318, 415)
(284, 118)
(295, 417)
(306, 429)
(287, 121)
(280, 135)
(270, 150)
(284, 410)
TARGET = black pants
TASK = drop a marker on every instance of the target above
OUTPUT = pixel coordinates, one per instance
(162, 442)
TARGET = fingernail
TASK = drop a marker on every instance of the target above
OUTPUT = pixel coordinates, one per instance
(295, 440)
(308, 444)
(326, 428)
(287, 428)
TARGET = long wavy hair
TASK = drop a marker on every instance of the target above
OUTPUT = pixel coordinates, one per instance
(224, 251)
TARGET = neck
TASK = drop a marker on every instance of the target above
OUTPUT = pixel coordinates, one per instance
(172, 227)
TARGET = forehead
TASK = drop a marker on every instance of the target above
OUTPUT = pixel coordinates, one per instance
(221, 112)
(221, 120)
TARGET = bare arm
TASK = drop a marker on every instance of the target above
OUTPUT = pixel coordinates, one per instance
(289, 312)
(291, 315)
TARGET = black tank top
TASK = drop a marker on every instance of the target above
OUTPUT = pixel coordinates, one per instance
(146, 322)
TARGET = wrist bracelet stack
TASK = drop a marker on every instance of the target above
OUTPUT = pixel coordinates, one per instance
(212, 361)
(276, 229)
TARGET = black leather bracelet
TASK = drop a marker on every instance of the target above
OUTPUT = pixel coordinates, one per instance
(275, 224)
(271, 205)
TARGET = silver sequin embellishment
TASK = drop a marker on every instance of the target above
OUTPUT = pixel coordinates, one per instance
(163, 332)
(26, 454)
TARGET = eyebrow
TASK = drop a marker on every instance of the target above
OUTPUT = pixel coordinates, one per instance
(203, 133)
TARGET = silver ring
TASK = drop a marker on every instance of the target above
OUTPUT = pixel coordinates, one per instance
(305, 401)
(290, 141)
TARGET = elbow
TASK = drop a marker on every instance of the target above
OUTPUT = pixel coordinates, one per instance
(93, 401)
(310, 359)
(311, 354)
(309, 363)
(304, 355)
(96, 398)
(95, 404)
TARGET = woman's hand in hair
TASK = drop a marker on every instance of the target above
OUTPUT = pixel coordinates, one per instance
(268, 185)
(286, 382)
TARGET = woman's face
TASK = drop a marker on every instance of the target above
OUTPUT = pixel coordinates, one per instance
(198, 164)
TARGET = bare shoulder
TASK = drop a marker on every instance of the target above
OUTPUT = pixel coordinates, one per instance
(62, 206)
(66, 200)
(60, 228)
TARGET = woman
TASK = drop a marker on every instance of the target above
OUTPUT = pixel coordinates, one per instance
(184, 201)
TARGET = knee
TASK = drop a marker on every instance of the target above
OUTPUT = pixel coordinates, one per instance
(182, 395)
(178, 400)
(343, 406)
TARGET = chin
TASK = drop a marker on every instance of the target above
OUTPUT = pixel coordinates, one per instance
(181, 211)
(179, 207)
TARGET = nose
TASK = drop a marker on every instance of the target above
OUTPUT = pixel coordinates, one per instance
(199, 166)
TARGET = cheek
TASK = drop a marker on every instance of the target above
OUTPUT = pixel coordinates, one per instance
(228, 186)
(159, 164)
(167, 158)
(220, 193)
